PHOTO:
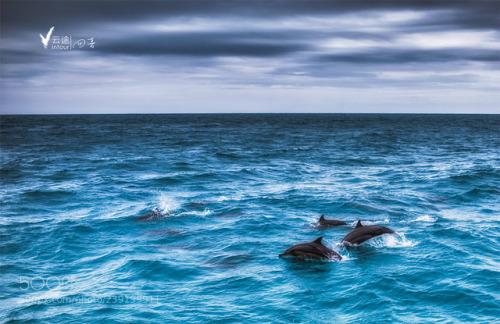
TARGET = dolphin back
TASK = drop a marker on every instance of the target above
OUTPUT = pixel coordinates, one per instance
(329, 222)
(363, 233)
(312, 250)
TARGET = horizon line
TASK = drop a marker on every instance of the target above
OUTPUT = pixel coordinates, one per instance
(246, 113)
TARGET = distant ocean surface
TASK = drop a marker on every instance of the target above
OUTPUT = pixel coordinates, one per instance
(236, 190)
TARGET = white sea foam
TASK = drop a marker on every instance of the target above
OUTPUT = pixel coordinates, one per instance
(117, 211)
(425, 218)
(149, 176)
(346, 257)
(367, 222)
(397, 240)
(276, 188)
(206, 212)
(468, 215)
(138, 158)
(234, 197)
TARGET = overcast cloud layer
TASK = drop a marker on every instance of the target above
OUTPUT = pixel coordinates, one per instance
(252, 56)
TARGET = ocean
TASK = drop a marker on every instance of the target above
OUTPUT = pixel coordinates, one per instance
(226, 194)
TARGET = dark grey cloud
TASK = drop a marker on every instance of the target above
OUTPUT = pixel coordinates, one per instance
(202, 44)
(486, 16)
(14, 56)
(403, 56)
(22, 14)
(31, 17)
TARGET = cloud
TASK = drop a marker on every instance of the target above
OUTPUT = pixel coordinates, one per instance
(200, 44)
(403, 56)
(12, 56)
(253, 48)
(33, 14)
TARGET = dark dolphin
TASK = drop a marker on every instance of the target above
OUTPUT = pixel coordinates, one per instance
(362, 233)
(322, 223)
(155, 214)
(312, 250)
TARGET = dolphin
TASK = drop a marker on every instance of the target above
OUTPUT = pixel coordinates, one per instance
(362, 233)
(322, 223)
(312, 250)
(155, 214)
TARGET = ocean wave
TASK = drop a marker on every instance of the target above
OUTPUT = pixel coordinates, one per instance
(425, 218)
(167, 180)
(149, 176)
(164, 232)
(171, 178)
(365, 208)
(50, 193)
(369, 222)
(476, 173)
(196, 205)
(478, 194)
(396, 240)
(227, 155)
(140, 158)
(360, 161)
(236, 197)
(461, 214)
(203, 213)
(231, 212)
(228, 261)
(275, 189)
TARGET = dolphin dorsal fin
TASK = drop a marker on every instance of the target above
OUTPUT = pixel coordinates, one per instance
(318, 240)
(359, 224)
(322, 218)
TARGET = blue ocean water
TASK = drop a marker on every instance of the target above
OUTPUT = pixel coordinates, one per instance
(235, 191)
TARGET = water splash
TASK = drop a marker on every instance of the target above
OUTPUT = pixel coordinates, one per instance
(345, 257)
(396, 240)
(167, 204)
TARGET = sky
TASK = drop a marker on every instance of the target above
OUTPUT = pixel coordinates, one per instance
(281, 56)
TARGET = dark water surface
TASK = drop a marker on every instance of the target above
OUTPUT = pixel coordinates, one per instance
(237, 190)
